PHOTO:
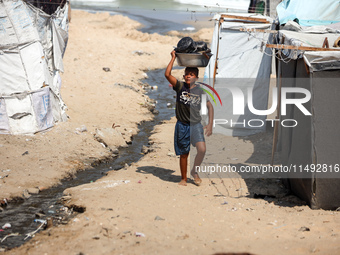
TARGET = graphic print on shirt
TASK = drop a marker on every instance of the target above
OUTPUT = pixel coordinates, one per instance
(190, 99)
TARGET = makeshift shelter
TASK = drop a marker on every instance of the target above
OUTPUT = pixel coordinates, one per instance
(240, 63)
(32, 44)
(309, 12)
(309, 61)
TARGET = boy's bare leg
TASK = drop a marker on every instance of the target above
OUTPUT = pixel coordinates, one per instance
(183, 164)
(201, 148)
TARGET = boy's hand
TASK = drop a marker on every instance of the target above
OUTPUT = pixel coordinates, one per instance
(173, 54)
(208, 130)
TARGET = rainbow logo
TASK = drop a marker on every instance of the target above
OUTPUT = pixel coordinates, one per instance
(209, 93)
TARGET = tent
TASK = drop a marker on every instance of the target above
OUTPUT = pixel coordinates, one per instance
(240, 66)
(311, 148)
(32, 44)
(309, 12)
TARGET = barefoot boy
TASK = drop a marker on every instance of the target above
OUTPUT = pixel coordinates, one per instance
(188, 127)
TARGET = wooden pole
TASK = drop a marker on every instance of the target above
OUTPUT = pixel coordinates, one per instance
(302, 48)
(218, 46)
(278, 110)
(325, 43)
(244, 18)
(259, 30)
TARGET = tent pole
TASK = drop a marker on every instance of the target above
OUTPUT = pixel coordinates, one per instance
(314, 152)
(278, 110)
(218, 43)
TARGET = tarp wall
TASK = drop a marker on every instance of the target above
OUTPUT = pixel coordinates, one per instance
(242, 63)
(316, 139)
(31, 48)
(309, 12)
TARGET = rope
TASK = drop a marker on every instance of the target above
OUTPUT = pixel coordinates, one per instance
(263, 43)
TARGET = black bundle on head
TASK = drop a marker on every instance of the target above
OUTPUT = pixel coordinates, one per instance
(186, 45)
(201, 46)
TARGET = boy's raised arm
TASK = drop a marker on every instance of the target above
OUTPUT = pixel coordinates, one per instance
(167, 74)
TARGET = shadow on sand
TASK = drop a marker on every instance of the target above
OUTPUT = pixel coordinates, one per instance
(162, 173)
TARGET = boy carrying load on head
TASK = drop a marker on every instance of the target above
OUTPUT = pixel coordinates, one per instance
(188, 127)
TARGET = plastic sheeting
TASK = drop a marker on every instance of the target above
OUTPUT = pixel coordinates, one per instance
(313, 37)
(293, 26)
(315, 140)
(309, 12)
(320, 61)
(243, 64)
(31, 47)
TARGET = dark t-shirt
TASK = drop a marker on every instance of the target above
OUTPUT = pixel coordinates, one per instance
(188, 103)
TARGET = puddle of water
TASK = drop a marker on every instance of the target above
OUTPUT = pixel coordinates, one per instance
(21, 215)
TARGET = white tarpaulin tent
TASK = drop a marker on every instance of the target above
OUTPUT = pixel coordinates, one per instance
(240, 62)
(32, 44)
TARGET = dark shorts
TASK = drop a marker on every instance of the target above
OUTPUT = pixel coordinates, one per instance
(186, 134)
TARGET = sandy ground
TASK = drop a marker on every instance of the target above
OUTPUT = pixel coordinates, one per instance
(141, 209)
(96, 99)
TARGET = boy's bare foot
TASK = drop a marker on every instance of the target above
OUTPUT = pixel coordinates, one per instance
(197, 179)
(182, 183)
